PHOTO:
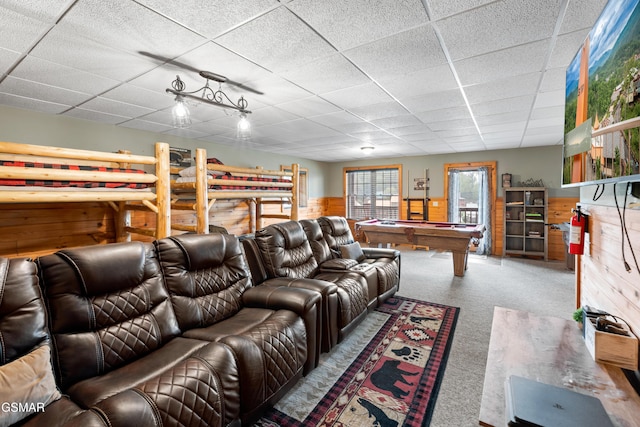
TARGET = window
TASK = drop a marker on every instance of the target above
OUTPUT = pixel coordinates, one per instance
(373, 192)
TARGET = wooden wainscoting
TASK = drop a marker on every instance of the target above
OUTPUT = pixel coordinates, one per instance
(605, 283)
(33, 229)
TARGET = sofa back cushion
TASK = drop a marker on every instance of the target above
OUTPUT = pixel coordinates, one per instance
(336, 232)
(107, 307)
(319, 245)
(26, 373)
(286, 251)
(22, 313)
(206, 275)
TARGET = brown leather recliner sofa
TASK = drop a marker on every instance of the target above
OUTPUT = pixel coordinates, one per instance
(286, 255)
(150, 334)
(385, 261)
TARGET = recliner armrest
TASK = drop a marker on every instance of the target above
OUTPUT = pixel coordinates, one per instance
(381, 253)
(342, 264)
(298, 300)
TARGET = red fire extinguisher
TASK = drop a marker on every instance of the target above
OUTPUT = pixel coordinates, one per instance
(578, 227)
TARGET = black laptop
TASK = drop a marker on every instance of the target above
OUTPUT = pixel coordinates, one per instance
(534, 404)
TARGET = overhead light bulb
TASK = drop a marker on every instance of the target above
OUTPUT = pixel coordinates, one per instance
(180, 113)
(244, 127)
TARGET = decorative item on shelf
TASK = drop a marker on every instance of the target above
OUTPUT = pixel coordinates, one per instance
(506, 180)
(180, 111)
(531, 183)
(538, 201)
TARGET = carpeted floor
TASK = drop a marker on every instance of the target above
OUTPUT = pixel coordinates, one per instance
(545, 288)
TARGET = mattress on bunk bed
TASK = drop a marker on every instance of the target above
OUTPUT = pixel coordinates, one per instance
(69, 184)
(230, 186)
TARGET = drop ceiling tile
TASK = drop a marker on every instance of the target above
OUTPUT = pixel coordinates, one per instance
(276, 91)
(31, 104)
(566, 48)
(358, 96)
(553, 79)
(379, 111)
(271, 115)
(53, 74)
(146, 126)
(503, 106)
(7, 59)
(434, 101)
(503, 89)
(509, 62)
(134, 28)
(555, 122)
(421, 82)
(45, 11)
(84, 54)
(285, 42)
(445, 114)
(95, 116)
(215, 58)
(390, 123)
(116, 108)
(581, 14)
(197, 15)
(505, 127)
(156, 99)
(498, 25)
(405, 52)
(443, 8)
(37, 91)
(376, 135)
(327, 74)
(541, 140)
(345, 25)
(421, 137)
(445, 129)
(546, 112)
(550, 99)
(312, 106)
(505, 118)
(355, 127)
(420, 129)
(18, 32)
(337, 118)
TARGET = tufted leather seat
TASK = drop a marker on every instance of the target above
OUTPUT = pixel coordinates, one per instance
(117, 342)
(270, 330)
(25, 354)
(287, 255)
(386, 262)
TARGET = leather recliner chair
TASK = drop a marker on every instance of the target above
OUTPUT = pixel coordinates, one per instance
(386, 261)
(30, 395)
(269, 329)
(117, 344)
(287, 255)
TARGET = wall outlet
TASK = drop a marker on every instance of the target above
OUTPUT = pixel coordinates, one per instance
(435, 203)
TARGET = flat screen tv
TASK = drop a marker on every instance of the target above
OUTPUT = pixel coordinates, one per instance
(602, 109)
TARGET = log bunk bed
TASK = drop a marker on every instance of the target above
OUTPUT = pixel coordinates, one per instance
(43, 174)
(209, 180)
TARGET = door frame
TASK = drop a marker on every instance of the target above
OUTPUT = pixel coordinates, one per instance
(493, 183)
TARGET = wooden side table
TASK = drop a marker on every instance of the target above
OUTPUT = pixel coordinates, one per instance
(550, 350)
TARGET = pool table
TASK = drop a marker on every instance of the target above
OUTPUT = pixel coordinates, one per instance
(445, 236)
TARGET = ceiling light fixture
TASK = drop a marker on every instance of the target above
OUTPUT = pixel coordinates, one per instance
(367, 149)
(180, 112)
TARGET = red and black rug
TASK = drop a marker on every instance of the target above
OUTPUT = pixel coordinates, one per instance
(386, 373)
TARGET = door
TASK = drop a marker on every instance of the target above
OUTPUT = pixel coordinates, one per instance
(471, 198)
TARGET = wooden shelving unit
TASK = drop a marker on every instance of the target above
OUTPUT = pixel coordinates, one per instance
(525, 222)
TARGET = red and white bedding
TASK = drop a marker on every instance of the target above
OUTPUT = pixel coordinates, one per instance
(68, 184)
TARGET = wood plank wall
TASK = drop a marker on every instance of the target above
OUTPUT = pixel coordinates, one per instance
(605, 283)
(37, 229)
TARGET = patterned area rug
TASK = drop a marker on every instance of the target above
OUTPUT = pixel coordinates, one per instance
(386, 373)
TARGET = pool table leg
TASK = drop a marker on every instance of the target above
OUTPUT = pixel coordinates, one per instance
(459, 262)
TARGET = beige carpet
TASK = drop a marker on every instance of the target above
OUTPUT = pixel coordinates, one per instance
(545, 288)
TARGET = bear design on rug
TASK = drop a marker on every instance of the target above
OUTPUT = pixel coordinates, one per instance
(388, 374)
(381, 418)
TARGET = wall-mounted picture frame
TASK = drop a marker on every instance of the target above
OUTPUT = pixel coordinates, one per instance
(180, 156)
(419, 183)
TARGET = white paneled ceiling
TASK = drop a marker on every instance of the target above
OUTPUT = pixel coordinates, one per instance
(409, 77)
